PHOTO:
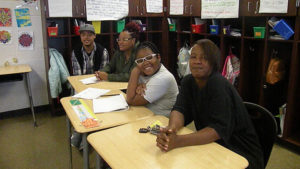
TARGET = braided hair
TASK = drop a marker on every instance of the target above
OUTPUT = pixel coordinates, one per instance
(133, 29)
(148, 45)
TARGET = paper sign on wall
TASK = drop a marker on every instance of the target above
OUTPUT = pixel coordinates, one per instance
(154, 6)
(5, 37)
(23, 17)
(273, 6)
(102, 10)
(60, 8)
(219, 9)
(176, 7)
(5, 17)
(25, 40)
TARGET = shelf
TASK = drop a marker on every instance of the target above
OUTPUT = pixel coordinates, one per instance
(294, 140)
(281, 41)
(252, 38)
(232, 37)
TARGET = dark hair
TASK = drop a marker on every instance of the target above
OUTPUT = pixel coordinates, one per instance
(149, 45)
(211, 52)
(133, 28)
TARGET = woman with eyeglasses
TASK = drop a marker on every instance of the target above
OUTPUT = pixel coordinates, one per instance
(122, 62)
(150, 83)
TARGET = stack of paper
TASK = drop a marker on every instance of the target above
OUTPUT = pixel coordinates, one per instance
(89, 80)
(108, 104)
(91, 93)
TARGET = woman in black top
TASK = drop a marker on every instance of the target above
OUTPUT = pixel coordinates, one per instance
(216, 108)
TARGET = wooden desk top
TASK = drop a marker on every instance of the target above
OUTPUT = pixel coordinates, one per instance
(110, 119)
(124, 147)
(14, 69)
(78, 86)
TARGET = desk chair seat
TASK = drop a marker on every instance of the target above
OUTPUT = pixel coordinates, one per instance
(265, 127)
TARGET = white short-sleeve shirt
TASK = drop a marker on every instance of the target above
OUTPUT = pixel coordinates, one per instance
(161, 91)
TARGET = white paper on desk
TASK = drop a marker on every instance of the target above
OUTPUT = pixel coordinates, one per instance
(108, 104)
(89, 80)
(91, 93)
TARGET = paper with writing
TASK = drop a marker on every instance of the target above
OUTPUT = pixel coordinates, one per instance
(273, 6)
(102, 10)
(219, 9)
(176, 7)
(89, 80)
(154, 6)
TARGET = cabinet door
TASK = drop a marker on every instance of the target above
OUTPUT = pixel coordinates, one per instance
(143, 9)
(134, 8)
(247, 7)
(186, 7)
(78, 8)
(251, 8)
(195, 8)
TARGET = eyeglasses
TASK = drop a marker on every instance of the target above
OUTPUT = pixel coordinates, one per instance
(146, 58)
(124, 39)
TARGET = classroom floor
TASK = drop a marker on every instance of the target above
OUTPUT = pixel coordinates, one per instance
(24, 147)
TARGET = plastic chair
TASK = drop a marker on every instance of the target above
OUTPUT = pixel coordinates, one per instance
(265, 127)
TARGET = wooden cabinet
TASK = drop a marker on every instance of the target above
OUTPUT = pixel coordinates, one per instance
(251, 8)
(139, 8)
(190, 7)
(79, 8)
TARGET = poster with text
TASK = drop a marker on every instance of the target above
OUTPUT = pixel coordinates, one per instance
(102, 10)
(176, 7)
(154, 6)
(5, 17)
(23, 17)
(5, 37)
(219, 9)
(25, 40)
(273, 6)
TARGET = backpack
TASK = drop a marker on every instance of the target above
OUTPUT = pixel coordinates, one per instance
(183, 59)
(231, 69)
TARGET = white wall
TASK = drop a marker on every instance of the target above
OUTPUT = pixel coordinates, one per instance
(13, 95)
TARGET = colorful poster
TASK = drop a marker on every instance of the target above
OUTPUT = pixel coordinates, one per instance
(5, 37)
(5, 17)
(25, 40)
(23, 17)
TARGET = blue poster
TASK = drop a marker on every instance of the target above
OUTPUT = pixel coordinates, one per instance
(23, 17)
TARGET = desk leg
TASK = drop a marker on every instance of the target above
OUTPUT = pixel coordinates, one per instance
(98, 161)
(85, 151)
(30, 97)
(69, 139)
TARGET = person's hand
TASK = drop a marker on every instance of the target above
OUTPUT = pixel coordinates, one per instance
(101, 75)
(167, 139)
(97, 75)
(140, 90)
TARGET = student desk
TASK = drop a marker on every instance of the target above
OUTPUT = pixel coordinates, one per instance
(78, 86)
(107, 120)
(124, 147)
(21, 69)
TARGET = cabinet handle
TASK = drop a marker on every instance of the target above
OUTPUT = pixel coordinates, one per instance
(191, 9)
(137, 9)
(256, 7)
(77, 9)
(249, 3)
(185, 9)
(144, 10)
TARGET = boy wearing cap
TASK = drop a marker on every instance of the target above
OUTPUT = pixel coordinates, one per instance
(87, 59)
(90, 56)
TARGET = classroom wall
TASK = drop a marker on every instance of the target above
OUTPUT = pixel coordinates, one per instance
(13, 95)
